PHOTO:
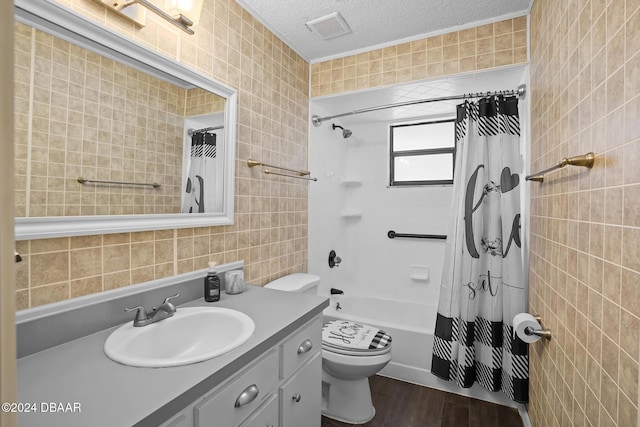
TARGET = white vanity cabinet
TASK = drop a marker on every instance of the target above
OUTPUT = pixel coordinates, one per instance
(266, 416)
(235, 401)
(300, 396)
(280, 388)
(301, 372)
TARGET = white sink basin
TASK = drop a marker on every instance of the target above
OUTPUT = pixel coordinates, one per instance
(191, 335)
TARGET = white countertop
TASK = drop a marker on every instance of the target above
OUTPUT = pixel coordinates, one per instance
(79, 374)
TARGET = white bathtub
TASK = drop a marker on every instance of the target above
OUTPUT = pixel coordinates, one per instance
(411, 327)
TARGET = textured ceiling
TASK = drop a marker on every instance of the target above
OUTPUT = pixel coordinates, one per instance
(374, 22)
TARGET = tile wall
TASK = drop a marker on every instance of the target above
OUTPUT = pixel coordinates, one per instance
(585, 225)
(200, 101)
(79, 114)
(270, 228)
(487, 46)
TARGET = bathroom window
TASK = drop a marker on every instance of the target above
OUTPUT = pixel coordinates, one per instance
(422, 153)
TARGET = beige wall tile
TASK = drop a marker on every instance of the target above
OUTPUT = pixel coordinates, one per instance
(587, 43)
(142, 254)
(492, 45)
(163, 251)
(51, 293)
(86, 286)
(49, 245)
(116, 258)
(143, 274)
(51, 267)
(116, 280)
(273, 88)
(85, 262)
(62, 109)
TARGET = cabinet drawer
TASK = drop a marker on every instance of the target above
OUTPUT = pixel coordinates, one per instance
(240, 397)
(300, 346)
(266, 416)
(301, 396)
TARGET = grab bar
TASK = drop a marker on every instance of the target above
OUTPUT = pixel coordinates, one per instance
(392, 235)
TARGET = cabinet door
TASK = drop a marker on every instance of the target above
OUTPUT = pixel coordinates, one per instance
(300, 396)
(266, 416)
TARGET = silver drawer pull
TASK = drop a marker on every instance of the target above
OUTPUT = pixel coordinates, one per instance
(305, 346)
(296, 397)
(247, 396)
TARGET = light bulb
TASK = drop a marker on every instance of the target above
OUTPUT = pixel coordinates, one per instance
(191, 9)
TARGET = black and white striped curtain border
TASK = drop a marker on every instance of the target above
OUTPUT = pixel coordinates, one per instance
(496, 115)
(203, 145)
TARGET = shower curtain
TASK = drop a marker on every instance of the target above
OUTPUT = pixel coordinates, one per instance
(483, 284)
(200, 187)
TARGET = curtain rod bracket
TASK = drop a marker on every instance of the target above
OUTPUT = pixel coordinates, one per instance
(522, 91)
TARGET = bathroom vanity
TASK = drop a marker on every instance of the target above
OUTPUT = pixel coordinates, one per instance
(273, 379)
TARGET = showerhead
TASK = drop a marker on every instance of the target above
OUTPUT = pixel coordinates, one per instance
(346, 133)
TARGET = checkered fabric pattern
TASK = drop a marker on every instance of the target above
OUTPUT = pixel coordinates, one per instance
(381, 340)
(481, 351)
(203, 145)
(483, 284)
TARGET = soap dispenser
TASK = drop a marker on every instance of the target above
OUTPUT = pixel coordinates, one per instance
(212, 284)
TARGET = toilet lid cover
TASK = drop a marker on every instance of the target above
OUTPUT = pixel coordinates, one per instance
(347, 335)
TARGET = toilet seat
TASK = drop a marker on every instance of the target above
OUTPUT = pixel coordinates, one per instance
(355, 352)
(354, 339)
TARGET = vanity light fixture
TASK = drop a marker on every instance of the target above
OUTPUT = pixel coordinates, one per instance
(183, 13)
(185, 9)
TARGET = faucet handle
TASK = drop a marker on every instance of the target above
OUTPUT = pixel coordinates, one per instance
(166, 300)
(141, 314)
(169, 304)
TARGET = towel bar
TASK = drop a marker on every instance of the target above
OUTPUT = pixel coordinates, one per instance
(82, 180)
(585, 160)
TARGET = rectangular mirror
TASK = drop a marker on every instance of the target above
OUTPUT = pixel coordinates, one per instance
(112, 137)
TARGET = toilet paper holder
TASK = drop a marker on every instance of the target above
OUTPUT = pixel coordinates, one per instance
(543, 333)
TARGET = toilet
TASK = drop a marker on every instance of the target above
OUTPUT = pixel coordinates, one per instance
(351, 353)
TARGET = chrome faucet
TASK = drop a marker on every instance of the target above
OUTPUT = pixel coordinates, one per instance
(166, 309)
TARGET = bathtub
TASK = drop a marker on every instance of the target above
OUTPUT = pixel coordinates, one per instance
(411, 326)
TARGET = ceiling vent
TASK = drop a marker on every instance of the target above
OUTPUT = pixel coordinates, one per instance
(329, 26)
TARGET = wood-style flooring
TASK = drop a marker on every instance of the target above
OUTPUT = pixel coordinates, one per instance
(400, 404)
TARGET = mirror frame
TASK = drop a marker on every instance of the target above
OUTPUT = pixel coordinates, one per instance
(61, 22)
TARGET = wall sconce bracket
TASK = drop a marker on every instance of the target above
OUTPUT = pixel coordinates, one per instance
(135, 13)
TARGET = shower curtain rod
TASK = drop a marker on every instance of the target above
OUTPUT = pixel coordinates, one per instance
(194, 131)
(520, 92)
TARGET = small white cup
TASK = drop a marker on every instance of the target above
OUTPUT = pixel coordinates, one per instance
(234, 282)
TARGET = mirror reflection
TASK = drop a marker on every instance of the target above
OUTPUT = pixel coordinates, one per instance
(83, 115)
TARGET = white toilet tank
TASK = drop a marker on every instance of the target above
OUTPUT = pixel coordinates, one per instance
(296, 282)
